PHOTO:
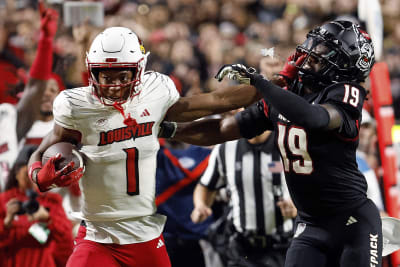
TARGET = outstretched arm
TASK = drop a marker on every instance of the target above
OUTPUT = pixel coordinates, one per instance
(297, 109)
(292, 106)
(208, 132)
(29, 105)
(218, 101)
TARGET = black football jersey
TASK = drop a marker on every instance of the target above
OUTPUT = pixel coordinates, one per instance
(320, 165)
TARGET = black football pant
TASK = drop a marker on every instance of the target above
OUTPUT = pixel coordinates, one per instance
(184, 252)
(351, 239)
(242, 254)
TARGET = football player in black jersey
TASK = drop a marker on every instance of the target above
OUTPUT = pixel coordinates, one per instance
(317, 123)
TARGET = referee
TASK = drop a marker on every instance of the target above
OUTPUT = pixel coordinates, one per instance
(261, 209)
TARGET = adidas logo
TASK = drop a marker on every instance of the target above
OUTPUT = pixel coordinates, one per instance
(160, 243)
(351, 220)
(145, 113)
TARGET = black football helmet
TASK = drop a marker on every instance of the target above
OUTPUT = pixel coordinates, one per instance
(348, 55)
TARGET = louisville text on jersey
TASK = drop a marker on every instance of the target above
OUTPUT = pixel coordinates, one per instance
(126, 133)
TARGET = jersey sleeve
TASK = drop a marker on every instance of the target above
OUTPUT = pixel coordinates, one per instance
(159, 87)
(348, 99)
(214, 177)
(254, 120)
(62, 112)
(173, 92)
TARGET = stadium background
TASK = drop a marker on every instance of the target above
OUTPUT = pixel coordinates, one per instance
(190, 39)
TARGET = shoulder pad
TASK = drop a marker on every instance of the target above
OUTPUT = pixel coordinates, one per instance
(349, 96)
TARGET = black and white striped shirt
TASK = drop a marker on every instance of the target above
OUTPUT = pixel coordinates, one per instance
(245, 169)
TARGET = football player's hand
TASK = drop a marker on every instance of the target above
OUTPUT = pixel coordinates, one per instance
(290, 69)
(48, 20)
(48, 177)
(200, 213)
(12, 207)
(288, 209)
(236, 72)
(41, 214)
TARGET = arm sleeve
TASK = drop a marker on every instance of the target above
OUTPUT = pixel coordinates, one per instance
(172, 89)
(253, 120)
(214, 176)
(161, 89)
(292, 106)
(62, 112)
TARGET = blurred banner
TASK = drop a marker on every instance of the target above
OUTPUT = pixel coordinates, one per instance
(77, 13)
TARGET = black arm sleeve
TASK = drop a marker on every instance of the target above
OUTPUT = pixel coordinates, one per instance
(292, 106)
(252, 121)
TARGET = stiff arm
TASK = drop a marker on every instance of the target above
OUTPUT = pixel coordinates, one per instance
(218, 101)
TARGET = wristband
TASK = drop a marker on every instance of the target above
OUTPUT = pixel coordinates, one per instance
(168, 129)
(34, 166)
(41, 66)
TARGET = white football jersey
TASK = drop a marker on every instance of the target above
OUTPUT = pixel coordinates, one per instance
(8, 141)
(119, 179)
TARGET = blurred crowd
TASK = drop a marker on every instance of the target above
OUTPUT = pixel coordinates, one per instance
(189, 40)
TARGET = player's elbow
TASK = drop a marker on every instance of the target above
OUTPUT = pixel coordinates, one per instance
(229, 129)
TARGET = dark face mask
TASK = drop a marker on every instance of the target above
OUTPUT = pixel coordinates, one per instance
(318, 68)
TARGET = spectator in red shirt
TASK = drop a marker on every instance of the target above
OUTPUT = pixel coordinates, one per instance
(28, 237)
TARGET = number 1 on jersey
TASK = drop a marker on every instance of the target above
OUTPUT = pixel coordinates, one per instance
(132, 171)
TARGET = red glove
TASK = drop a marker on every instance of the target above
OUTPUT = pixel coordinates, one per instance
(48, 177)
(289, 70)
(48, 21)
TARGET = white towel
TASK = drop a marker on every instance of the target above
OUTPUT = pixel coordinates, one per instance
(391, 235)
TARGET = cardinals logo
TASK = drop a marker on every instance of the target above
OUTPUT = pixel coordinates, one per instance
(141, 46)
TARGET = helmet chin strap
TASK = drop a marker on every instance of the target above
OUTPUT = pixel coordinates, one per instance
(128, 120)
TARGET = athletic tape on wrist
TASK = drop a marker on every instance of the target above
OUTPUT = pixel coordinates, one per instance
(41, 66)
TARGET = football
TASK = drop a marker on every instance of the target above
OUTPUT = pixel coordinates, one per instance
(68, 151)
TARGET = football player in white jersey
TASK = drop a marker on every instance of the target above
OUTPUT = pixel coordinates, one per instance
(116, 121)
(15, 121)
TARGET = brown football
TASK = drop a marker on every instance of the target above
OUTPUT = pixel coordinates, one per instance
(68, 151)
